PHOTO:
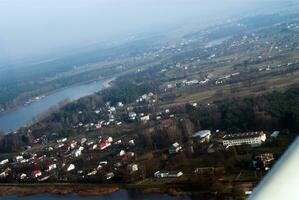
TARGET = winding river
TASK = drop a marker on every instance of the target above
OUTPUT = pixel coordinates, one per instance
(21, 116)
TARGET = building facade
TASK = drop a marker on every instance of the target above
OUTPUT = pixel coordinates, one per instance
(250, 138)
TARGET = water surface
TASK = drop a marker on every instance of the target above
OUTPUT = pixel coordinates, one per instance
(23, 115)
(120, 195)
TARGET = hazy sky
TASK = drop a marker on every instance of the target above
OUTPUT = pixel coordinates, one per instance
(30, 27)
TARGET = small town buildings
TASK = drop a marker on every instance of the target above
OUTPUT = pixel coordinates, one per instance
(250, 138)
(175, 148)
(203, 135)
(168, 174)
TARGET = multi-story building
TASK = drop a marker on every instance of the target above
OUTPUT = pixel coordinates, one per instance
(250, 138)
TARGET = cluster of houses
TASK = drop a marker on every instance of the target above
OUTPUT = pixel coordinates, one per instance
(78, 159)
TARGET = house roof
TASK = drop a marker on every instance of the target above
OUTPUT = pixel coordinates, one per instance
(242, 135)
(202, 133)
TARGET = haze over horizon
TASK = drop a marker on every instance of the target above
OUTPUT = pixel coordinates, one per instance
(30, 28)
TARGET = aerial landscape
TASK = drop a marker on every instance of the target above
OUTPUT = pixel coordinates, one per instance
(199, 109)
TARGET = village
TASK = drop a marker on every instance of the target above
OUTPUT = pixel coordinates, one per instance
(194, 121)
(102, 158)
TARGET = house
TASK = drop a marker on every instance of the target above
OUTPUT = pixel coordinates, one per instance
(122, 152)
(175, 174)
(168, 174)
(51, 167)
(70, 167)
(62, 140)
(145, 118)
(161, 174)
(83, 140)
(250, 138)
(132, 168)
(77, 152)
(3, 162)
(120, 104)
(36, 173)
(132, 142)
(109, 175)
(132, 116)
(93, 172)
(175, 148)
(19, 158)
(203, 135)
(5, 173)
(22, 176)
(73, 144)
(43, 178)
(105, 143)
(105, 162)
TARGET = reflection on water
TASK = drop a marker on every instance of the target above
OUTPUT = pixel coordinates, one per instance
(120, 195)
(24, 114)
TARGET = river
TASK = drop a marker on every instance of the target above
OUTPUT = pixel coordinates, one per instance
(120, 195)
(21, 116)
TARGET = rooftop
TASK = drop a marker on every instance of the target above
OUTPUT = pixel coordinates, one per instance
(243, 135)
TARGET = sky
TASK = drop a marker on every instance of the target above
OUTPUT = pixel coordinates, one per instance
(35, 27)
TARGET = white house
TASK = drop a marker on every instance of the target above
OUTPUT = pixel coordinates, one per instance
(3, 162)
(51, 167)
(71, 167)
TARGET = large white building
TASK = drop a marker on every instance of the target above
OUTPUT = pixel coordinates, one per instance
(250, 138)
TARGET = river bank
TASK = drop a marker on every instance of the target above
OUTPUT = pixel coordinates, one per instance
(98, 190)
(56, 189)
(22, 116)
